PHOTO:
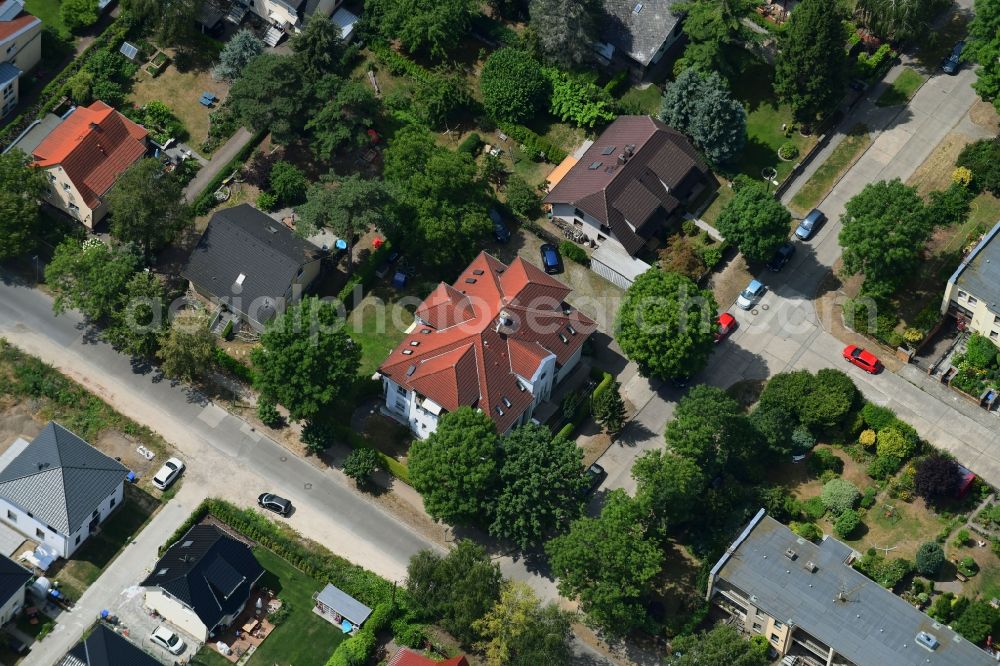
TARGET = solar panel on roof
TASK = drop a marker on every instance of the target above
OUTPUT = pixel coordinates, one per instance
(128, 50)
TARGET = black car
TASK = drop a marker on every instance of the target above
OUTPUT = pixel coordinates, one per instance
(595, 475)
(500, 230)
(273, 502)
(953, 62)
(781, 257)
(551, 261)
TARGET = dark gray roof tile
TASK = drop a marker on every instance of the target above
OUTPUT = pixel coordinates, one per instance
(639, 34)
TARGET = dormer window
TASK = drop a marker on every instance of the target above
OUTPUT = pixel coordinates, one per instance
(572, 331)
(498, 410)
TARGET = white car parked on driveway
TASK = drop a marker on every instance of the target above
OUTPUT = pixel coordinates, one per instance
(168, 473)
(167, 640)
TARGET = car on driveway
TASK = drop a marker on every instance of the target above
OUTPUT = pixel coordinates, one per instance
(551, 261)
(810, 223)
(168, 473)
(781, 257)
(865, 360)
(749, 296)
(595, 475)
(953, 62)
(500, 230)
(167, 640)
(275, 503)
(724, 325)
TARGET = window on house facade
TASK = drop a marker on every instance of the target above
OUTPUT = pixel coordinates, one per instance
(993, 335)
(400, 390)
(757, 627)
(74, 209)
(962, 294)
(66, 186)
(11, 516)
(973, 300)
(996, 319)
(112, 502)
(775, 638)
(77, 542)
(39, 533)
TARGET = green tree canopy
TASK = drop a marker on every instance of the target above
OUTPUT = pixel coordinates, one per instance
(608, 563)
(984, 48)
(241, 48)
(830, 397)
(520, 631)
(288, 182)
(898, 19)
(608, 409)
(576, 98)
(456, 589)
(456, 468)
(187, 349)
(930, 557)
(721, 645)
(136, 326)
(715, 32)
(669, 488)
(78, 14)
(360, 464)
(812, 70)
(346, 109)
(147, 207)
(21, 186)
(755, 221)
(665, 324)
(305, 358)
(839, 495)
(702, 107)
(937, 477)
(977, 622)
(522, 198)
(434, 29)
(319, 47)
(883, 235)
(270, 96)
(348, 207)
(90, 276)
(709, 428)
(542, 486)
(982, 158)
(512, 85)
(566, 29)
(441, 199)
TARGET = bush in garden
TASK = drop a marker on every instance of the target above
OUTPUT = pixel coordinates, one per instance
(267, 201)
(867, 438)
(471, 144)
(846, 523)
(886, 573)
(968, 566)
(980, 353)
(961, 539)
(876, 416)
(289, 183)
(822, 460)
(839, 495)
(962, 176)
(891, 442)
(788, 151)
(317, 436)
(522, 198)
(868, 498)
(268, 413)
(512, 85)
(930, 557)
(360, 464)
(803, 441)
(937, 477)
(807, 531)
(813, 508)
(941, 609)
(883, 467)
(574, 252)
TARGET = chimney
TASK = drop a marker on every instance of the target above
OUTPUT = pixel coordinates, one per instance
(94, 126)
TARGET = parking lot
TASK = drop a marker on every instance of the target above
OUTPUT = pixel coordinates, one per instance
(140, 625)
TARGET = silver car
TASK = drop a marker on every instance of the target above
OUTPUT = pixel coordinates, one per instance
(167, 640)
(168, 473)
(810, 223)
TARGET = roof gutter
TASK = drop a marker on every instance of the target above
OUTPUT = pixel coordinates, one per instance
(732, 549)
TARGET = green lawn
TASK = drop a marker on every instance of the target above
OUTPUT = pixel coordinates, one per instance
(48, 11)
(378, 324)
(902, 89)
(86, 564)
(723, 196)
(765, 116)
(840, 160)
(643, 101)
(304, 638)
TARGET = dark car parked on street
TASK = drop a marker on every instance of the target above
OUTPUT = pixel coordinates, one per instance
(953, 62)
(781, 257)
(500, 230)
(551, 261)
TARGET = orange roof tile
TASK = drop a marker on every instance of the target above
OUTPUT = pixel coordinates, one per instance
(19, 22)
(407, 657)
(94, 145)
(475, 338)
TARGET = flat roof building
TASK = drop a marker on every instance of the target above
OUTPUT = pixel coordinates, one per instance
(808, 601)
(972, 295)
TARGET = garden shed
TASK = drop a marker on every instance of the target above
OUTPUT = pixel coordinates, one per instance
(340, 608)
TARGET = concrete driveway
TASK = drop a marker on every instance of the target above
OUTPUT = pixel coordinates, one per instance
(131, 612)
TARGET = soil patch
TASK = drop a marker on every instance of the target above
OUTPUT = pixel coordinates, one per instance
(935, 172)
(123, 449)
(16, 421)
(985, 115)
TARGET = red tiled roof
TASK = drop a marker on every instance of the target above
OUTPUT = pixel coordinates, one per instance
(94, 145)
(407, 657)
(22, 20)
(460, 353)
(663, 164)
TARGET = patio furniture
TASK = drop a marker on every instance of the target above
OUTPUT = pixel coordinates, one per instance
(207, 99)
(250, 625)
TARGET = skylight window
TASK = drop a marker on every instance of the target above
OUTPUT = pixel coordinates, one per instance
(564, 338)
(407, 352)
(506, 402)
(499, 411)
(414, 343)
(595, 166)
(572, 331)
(637, 8)
(608, 150)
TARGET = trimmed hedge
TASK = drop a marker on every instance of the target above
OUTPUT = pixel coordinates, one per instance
(205, 201)
(534, 144)
(363, 275)
(583, 408)
(397, 64)
(232, 366)
(575, 252)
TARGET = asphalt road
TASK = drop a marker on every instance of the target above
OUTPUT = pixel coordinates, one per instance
(784, 333)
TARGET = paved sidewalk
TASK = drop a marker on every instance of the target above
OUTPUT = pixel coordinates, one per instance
(219, 160)
(126, 570)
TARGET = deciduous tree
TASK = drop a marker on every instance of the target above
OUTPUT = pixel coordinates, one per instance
(305, 358)
(982, 158)
(812, 70)
(984, 48)
(512, 85)
(21, 186)
(839, 495)
(665, 324)
(883, 234)
(522, 198)
(147, 207)
(348, 207)
(136, 326)
(713, 28)
(346, 110)
(187, 349)
(755, 221)
(702, 107)
(520, 631)
(977, 622)
(241, 48)
(897, 19)
(709, 428)
(360, 464)
(78, 14)
(721, 645)
(578, 99)
(456, 589)
(937, 477)
(566, 29)
(270, 96)
(434, 29)
(669, 489)
(90, 276)
(288, 182)
(456, 469)
(608, 563)
(541, 486)
(831, 396)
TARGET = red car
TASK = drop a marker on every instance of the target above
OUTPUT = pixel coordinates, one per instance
(725, 324)
(863, 359)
